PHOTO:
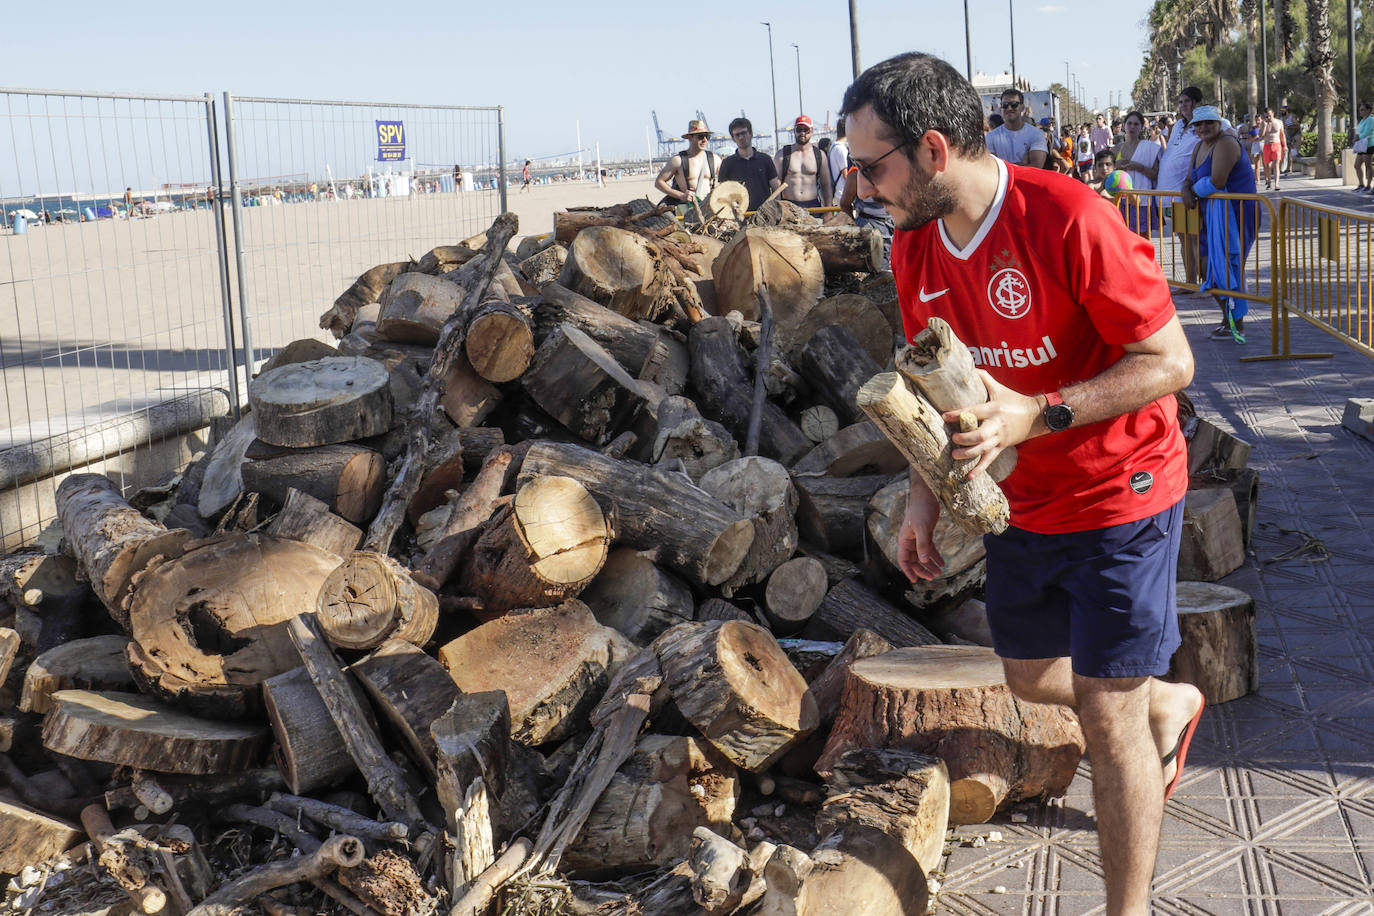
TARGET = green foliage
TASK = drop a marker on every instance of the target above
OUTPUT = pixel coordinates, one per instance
(1308, 148)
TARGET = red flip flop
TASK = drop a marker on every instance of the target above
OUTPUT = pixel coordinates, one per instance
(1180, 751)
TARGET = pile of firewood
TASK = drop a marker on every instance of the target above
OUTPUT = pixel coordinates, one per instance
(579, 561)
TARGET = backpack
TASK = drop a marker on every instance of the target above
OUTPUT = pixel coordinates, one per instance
(683, 156)
(821, 167)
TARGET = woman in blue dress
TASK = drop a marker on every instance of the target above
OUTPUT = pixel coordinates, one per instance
(1229, 227)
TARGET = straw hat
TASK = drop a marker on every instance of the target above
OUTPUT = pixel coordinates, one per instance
(696, 126)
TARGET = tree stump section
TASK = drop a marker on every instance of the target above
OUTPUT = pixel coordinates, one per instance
(109, 538)
(371, 598)
(668, 787)
(412, 690)
(209, 626)
(637, 347)
(918, 430)
(582, 386)
(544, 267)
(728, 199)
(467, 398)
(850, 606)
(953, 702)
(635, 596)
(132, 730)
(94, 663)
(760, 490)
(684, 434)
(733, 682)
(542, 549)
(28, 837)
(616, 268)
(415, 307)
(500, 341)
(305, 518)
(553, 664)
(858, 314)
(322, 402)
(861, 449)
(347, 478)
(365, 290)
(819, 422)
(789, 265)
(965, 558)
(1212, 545)
(846, 248)
(1244, 483)
(679, 525)
(309, 750)
(795, 590)
(836, 366)
(1220, 649)
(833, 511)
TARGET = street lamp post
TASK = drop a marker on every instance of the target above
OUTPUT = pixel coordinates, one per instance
(773, 82)
(801, 109)
(968, 47)
(1011, 17)
(854, 34)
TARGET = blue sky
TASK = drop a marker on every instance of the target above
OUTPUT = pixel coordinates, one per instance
(552, 65)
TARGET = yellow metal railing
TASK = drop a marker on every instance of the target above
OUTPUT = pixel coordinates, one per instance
(1329, 270)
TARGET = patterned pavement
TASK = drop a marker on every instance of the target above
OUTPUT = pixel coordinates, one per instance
(1274, 815)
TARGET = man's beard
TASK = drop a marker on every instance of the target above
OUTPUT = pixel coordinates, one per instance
(922, 200)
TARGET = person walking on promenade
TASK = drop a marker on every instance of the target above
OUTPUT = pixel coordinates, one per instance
(748, 166)
(1101, 135)
(1017, 140)
(1140, 157)
(1364, 140)
(1292, 130)
(1081, 587)
(1173, 171)
(1275, 147)
(692, 173)
(525, 176)
(1083, 154)
(1229, 227)
(803, 170)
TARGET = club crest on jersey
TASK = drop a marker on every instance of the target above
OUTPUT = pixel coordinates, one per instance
(1009, 294)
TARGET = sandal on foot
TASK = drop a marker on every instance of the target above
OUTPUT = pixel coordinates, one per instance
(1180, 751)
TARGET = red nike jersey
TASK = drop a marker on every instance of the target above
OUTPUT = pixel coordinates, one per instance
(1045, 295)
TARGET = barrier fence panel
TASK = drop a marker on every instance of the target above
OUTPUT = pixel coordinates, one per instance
(323, 191)
(1330, 270)
(112, 294)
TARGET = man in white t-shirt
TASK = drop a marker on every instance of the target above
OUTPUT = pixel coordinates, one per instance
(1016, 140)
(1174, 165)
(838, 156)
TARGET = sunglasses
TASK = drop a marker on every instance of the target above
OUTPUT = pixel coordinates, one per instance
(1011, 104)
(866, 170)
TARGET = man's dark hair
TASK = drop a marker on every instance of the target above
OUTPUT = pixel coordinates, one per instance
(912, 93)
(1016, 94)
(839, 129)
(1193, 93)
(1139, 116)
(740, 122)
(996, 120)
(1104, 154)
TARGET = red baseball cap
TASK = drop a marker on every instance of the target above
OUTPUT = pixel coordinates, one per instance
(803, 121)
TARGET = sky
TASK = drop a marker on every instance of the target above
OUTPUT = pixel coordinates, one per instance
(602, 67)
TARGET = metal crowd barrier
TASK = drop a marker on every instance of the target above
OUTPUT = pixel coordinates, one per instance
(1329, 280)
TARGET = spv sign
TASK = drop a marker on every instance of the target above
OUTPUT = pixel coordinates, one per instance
(391, 141)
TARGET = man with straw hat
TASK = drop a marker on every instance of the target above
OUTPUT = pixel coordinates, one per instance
(690, 174)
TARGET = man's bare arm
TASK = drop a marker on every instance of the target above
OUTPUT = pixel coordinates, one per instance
(1151, 368)
(664, 184)
(1035, 158)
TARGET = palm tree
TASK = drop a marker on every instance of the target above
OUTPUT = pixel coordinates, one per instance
(1320, 57)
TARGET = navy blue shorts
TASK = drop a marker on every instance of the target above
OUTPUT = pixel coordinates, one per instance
(1104, 598)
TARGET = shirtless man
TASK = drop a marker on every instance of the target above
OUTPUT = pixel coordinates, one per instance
(805, 184)
(702, 167)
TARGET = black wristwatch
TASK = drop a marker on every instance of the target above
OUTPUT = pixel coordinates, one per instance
(1058, 415)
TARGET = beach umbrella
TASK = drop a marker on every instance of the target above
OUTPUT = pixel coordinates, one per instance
(27, 214)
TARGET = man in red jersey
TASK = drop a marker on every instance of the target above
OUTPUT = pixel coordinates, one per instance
(1071, 324)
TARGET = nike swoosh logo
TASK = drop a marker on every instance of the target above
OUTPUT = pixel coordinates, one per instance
(927, 298)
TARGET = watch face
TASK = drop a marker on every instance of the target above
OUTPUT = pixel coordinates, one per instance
(1058, 417)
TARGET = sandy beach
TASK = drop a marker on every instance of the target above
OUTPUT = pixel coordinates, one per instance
(111, 316)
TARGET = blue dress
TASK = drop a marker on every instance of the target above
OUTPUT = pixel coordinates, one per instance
(1229, 228)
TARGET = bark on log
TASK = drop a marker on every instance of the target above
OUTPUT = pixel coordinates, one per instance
(337, 817)
(850, 606)
(832, 511)
(477, 898)
(336, 852)
(719, 609)
(28, 837)
(253, 784)
(471, 741)
(669, 786)
(720, 872)
(1211, 448)
(1219, 654)
(726, 391)
(828, 686)
(859, 315)
(349, 479)
(788, 263)
(364, 290)
(733, 682)
(465, 519)
(903, 794)
(679, 525)
(415, 307)
(389, 884)
(94, 663)
(683, 433)
(542, 549)
(965, 623)
(133, 730)
(1212, 545)
(637, 347)
(616, 268)
(953, 702)
(861, 449)
(322, 402)
(846, 248)
(223, 481)
(544, 267)
(305, 518)
(1244, 483)
(131, 872)
(795, 590)
(582, 386)
(467, 399)
(309, 750)
(553, 663)
(209, 626)
(760, 490)
(443, 258)
(861, 871)
(918, 430)
(633, 595)
(500, 341)
(412, 690)
(111, 540)
(965, 567)
(836, 366)
(371, 598)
